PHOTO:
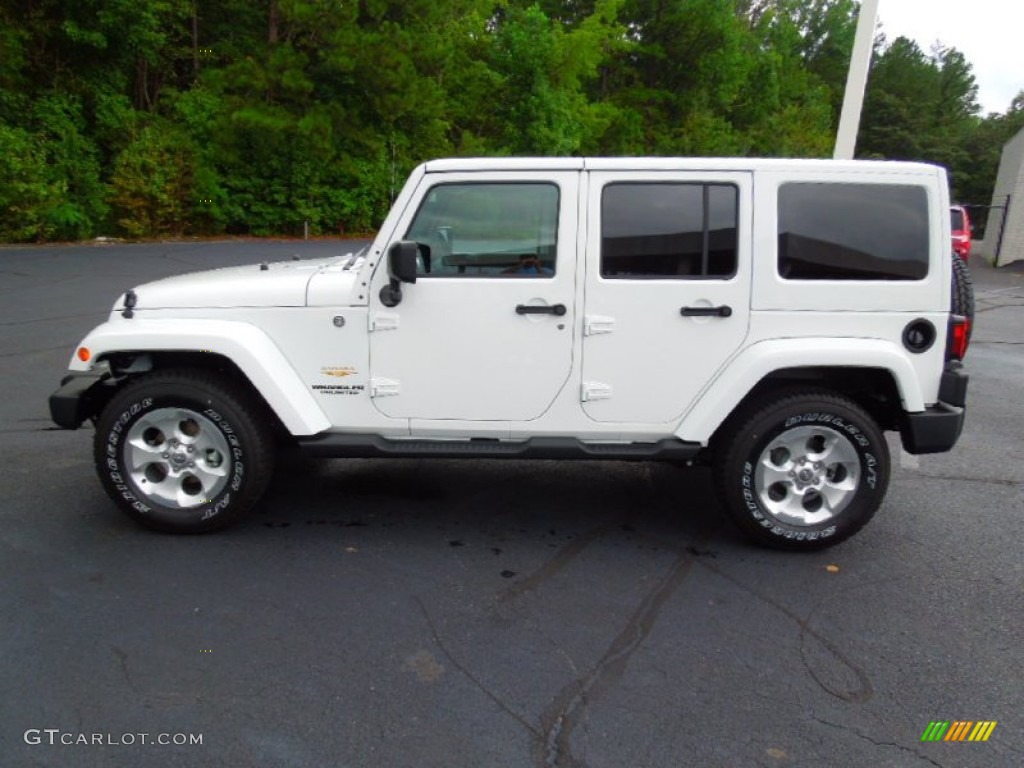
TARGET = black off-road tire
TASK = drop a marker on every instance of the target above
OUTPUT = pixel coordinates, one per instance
(803, 470)
(183, 451)
(963, 292)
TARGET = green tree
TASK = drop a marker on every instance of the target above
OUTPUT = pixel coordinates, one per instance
(824, 41)
(921, 107)
(152, 185)
(541, 105)
(25, 197)
(72, 171)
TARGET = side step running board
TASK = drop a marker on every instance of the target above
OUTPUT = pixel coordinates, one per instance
(341, 446)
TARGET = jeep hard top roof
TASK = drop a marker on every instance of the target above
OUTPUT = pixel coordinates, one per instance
(456, 165)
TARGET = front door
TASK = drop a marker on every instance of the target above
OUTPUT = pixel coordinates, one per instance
(667, 289)
(485, 333)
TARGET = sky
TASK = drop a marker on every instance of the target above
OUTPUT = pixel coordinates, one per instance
(989, 33)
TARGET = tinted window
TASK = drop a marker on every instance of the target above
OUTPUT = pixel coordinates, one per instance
(853, 232)
(660, 230)
(489, 230)
(957, 218)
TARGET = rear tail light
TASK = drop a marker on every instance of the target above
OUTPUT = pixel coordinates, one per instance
(957, 339)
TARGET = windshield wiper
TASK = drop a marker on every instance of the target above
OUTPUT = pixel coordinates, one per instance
(354, 257)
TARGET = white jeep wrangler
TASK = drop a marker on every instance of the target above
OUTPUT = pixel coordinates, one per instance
(769, 317)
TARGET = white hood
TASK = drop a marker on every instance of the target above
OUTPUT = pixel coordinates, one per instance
(281, 284)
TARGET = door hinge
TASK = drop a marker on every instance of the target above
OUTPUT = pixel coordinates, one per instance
(596, 324)
(384, 387)
(383, 321)
(596, 390)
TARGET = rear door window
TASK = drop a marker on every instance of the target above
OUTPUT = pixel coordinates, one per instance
(668, 230)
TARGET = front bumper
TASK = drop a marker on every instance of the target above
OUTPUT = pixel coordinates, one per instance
(938, 427)
(80, 396)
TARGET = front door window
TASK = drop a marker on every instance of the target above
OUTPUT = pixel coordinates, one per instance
(488, 230)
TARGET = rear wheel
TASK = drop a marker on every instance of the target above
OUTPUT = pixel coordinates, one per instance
(182, 452)
(804, 471)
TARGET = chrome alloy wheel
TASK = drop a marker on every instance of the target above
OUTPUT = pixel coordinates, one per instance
(177, 457)
(807, 475)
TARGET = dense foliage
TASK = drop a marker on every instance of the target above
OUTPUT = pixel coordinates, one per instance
(191, 116)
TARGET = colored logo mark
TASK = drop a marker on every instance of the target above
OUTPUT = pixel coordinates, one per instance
(958, 730)
(338, 371)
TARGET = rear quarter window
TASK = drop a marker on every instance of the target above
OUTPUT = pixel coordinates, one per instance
(832, 231)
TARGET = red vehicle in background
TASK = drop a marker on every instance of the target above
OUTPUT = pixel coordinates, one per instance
(961, 226)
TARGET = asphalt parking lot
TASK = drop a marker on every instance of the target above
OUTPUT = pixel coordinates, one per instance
(480, 613)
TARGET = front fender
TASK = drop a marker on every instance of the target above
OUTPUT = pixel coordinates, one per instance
(742, 374)
(245, 345)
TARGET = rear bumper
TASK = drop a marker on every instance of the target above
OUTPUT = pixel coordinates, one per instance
(934, 430)
(938, 427)
(80, 395)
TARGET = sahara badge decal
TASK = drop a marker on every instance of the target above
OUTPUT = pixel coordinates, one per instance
(339, 372)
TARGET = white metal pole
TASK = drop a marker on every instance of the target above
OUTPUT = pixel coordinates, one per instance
(856, 80)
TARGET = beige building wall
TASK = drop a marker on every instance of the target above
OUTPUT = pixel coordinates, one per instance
(1009, 182)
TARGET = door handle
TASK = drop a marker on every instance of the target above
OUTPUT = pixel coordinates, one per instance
(723, 311)
(530, 309)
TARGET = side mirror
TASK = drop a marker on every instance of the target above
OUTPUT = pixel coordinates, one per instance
(401, 269)
(402, 261)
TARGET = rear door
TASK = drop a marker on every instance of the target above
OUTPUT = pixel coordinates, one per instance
(667, 294)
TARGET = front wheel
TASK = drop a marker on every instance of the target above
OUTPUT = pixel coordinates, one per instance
(182, 451)
(804, 471)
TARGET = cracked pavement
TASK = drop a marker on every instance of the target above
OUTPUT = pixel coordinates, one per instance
(490, 614)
